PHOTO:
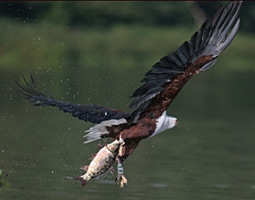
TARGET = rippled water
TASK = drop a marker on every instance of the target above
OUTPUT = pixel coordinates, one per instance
(210, 155)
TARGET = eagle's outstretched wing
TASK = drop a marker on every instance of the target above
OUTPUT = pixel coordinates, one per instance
(168, 76)
(91, 113)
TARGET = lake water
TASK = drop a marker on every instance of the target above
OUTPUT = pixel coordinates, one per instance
(210, 155)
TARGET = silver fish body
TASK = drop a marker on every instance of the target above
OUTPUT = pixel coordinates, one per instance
(103, 160)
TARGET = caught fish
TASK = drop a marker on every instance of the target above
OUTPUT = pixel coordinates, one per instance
(103, 160)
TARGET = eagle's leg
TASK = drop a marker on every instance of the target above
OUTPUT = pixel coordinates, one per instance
(121, 179)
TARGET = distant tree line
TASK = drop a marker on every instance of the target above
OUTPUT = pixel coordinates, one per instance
(106, 14)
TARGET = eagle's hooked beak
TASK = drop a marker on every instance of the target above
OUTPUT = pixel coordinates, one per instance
(176, 122)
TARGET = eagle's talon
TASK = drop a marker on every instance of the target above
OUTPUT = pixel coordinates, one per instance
(121, 180)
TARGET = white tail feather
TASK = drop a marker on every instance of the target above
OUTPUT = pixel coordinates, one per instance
(95, 132)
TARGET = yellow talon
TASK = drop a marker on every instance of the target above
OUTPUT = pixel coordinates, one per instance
(121, 180)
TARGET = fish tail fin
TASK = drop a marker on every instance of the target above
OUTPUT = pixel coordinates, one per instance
(81, 179)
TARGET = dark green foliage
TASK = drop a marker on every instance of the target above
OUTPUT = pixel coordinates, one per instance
(107, 14)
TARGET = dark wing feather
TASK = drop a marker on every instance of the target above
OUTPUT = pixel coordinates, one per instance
(91, 113)
(192, 57)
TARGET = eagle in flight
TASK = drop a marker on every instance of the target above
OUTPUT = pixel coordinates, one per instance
(161, 85)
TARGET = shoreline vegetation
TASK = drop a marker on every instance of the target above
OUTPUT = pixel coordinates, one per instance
(31, 46)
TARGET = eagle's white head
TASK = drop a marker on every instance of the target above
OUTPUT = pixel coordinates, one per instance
(164, 122)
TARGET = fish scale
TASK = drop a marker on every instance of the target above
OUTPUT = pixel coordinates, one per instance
(103, 160)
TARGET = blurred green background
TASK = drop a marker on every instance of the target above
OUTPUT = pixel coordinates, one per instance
(47, 35)
(97, 52)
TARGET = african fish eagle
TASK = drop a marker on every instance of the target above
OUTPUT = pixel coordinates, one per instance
(161, 85)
